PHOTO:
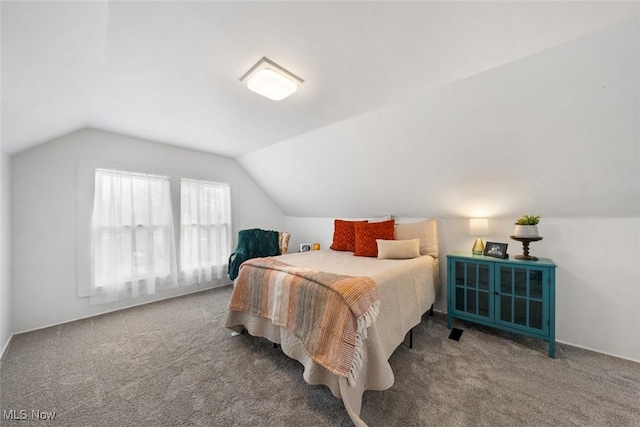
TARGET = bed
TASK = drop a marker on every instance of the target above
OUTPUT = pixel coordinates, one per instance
(406, 290)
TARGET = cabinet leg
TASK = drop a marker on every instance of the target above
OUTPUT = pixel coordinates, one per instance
(552, 349)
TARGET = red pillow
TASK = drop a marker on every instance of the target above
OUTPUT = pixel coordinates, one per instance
(344, 235)
(366, 235)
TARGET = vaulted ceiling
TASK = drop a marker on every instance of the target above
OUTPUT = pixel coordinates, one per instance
(169, 71)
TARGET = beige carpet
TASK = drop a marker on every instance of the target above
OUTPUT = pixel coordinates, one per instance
(171, 364)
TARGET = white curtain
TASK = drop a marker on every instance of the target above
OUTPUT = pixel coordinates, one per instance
(133, 249)
(205, 238)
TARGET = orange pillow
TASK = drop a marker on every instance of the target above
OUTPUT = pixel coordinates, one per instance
(366, 235)
(344, 235)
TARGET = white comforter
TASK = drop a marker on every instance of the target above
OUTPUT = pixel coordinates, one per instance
(406, 289)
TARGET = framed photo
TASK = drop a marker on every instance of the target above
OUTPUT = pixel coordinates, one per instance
(496, 250)
(306, 247)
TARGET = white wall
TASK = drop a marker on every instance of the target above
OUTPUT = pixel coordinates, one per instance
(6, 328)
(51, 205)
(597, 280)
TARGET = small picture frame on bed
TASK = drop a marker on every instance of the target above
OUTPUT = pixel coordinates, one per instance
(306, 247)
(496, 250)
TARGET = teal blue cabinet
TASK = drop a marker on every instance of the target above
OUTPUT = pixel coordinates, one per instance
(510, 294)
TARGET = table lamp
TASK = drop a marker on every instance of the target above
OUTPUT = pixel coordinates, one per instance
(478, 227)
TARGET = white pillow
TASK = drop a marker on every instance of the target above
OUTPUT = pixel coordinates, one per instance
(426, 231)
(398, 249)
(380, 218)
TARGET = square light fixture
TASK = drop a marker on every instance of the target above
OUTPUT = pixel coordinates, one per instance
(271, 80)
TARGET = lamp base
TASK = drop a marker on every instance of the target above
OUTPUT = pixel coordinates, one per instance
(478, 247)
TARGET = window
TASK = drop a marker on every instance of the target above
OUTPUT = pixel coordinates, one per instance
(133, 249)
(205, 238)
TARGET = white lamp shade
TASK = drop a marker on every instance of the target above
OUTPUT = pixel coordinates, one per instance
(478, 226)
(272, 85)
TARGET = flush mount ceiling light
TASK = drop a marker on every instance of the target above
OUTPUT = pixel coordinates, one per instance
(271, 80)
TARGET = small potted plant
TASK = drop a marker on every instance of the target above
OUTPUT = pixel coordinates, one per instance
(526, 226)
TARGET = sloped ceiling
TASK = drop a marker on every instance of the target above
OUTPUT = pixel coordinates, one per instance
(448, 109)
(556, 133)
(169, 71)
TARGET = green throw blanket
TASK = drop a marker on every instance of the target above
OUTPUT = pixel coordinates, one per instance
(253, 243)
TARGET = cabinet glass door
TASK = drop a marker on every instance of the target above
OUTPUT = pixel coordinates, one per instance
(471, 295)
(520, 293)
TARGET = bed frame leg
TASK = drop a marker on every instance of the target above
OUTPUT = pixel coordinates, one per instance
(431, 311)
(275, 345)
(410, 338)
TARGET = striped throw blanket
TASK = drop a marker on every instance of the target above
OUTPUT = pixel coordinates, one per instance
(328, 313)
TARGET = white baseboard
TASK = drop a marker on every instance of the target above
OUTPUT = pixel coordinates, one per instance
(598, 351)
(6, 346)
(121, 308)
